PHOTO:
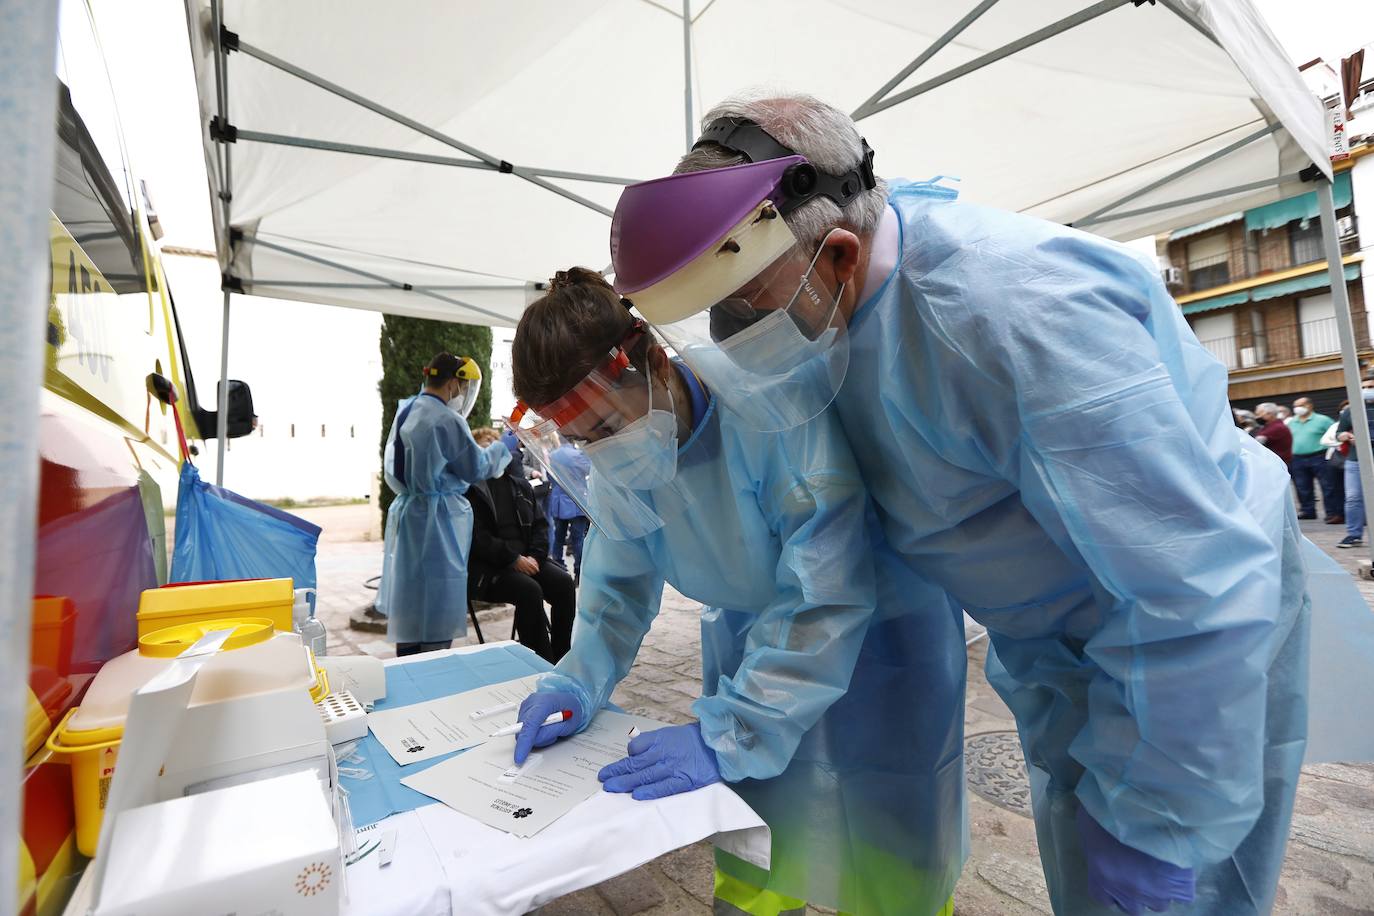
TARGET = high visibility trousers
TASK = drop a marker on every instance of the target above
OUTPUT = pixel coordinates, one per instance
(739, 898)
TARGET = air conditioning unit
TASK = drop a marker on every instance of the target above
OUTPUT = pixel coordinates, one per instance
(1173, 276)
(1345, 227)
(1249, 356)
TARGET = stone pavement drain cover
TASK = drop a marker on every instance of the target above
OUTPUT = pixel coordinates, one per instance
(997, 772)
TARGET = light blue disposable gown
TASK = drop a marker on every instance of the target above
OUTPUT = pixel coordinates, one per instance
(1045, 438)
(863, 788)
(424, 587)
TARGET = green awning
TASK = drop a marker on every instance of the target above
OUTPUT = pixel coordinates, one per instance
(1300, 284)
(1216, 302)
(1304, 206)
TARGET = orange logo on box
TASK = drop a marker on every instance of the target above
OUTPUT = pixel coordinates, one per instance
(313, 878)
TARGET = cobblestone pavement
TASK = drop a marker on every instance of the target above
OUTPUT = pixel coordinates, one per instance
(1329, 869)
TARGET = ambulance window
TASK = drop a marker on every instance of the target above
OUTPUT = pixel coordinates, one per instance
(92, 193)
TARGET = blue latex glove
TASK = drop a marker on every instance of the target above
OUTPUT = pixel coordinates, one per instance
(1128, 878)
(534, 710)
(511, 443)
(663, 762)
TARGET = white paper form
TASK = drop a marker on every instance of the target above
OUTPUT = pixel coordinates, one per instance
(485, 785)
(437, 727)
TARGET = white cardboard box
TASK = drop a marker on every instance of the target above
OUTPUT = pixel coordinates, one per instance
(266, 848)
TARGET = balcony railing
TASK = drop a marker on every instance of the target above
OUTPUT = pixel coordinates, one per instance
(1207, 273)
(1240, 263)
(1281, 344)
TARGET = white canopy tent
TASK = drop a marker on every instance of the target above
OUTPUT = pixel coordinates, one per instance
(442, 160)
(438, 159)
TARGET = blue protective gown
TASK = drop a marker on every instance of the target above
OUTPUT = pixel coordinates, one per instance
(1045, 438)
(430, 460)
(863, 788)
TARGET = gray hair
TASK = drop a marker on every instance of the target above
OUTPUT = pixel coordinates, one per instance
(1268, 407)
(823, 134)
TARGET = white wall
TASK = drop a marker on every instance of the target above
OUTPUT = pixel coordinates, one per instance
(308, 365)
(502, 398)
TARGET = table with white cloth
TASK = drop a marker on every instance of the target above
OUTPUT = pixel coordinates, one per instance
(444, 862)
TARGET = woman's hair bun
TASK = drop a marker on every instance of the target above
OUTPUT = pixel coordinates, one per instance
(577, 276)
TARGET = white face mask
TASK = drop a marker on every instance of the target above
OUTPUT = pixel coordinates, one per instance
(641, 456)
(1301, 411)
(774, 345)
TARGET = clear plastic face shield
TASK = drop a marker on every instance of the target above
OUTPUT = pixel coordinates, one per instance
(757, 317)
(469, 387)
(621, 418)
(466, 397)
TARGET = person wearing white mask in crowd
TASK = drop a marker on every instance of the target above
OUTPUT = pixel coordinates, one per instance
(1309, 462)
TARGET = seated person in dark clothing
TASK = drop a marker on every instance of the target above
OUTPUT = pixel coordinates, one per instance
(510, 563)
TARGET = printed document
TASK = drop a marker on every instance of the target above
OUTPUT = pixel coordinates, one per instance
(437, 727)
(486, 785)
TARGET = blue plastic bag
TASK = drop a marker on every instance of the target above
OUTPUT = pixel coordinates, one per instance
(221, 535)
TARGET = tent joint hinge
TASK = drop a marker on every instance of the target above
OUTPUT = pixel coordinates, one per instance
(221, 131)
(230, 283)
(1140, 3)
(1311, 173)
(505, 167)
(407, 287)
(228, 40)
(225, 196)
(235, 235)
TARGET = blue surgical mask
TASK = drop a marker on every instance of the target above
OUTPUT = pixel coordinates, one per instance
(641, 456)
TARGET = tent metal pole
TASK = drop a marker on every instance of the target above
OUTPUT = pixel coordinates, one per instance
(969, 18)
(1174, 7)
(1179, 173)
(688, 119)
(572, 176)
(226, 199)
(394, 284)
(1345, 330)
(1196, 198)
(992, 57)
(27, 111)
(393, 115)
(222, 416)
(258, 136)
(318, 284)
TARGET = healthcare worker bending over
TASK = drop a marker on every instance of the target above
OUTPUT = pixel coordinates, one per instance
(431, 458)
(1045, 438)
(840, 724)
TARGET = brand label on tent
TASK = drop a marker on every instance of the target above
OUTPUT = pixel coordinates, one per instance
(1335, 121)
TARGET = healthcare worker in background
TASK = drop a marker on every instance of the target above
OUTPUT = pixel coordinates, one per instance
(1044, 438)
(430, 460)
(835, 710)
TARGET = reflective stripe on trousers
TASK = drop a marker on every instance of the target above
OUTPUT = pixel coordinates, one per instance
(738, 898)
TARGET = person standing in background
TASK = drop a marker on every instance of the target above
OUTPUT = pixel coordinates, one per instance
(569, 522)
(1272, 433)
(431, 460)
(1354, 491)
(1309, 461)
(1335, 463)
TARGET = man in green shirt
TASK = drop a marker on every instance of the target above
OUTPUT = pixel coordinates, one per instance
(1309, 461)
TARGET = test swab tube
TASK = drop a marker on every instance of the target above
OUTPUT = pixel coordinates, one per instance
(493, 710)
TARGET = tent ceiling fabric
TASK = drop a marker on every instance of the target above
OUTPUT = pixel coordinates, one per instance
(1060, 129)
